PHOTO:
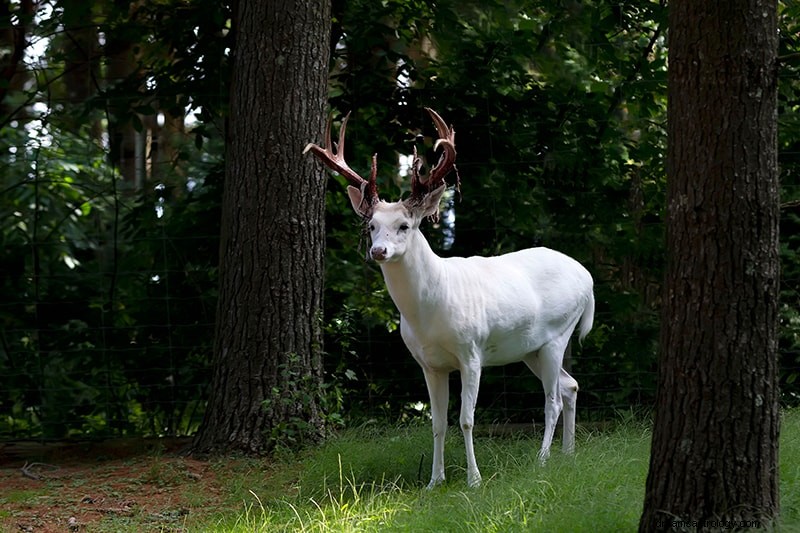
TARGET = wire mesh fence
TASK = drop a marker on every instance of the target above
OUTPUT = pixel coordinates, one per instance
(110, 229)
(107, 327)
(128, 351)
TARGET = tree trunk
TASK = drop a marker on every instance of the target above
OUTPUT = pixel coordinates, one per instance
(267, 354)
(80, 48)
(714, 459)
(126, 150)
(13, 42)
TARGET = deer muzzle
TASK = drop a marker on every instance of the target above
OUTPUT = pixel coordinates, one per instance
(378, 253)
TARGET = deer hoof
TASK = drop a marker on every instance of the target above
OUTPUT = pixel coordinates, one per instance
(435, 482)
(474, 480)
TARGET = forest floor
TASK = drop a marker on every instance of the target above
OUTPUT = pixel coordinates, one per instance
(104, 486)
(367, 478)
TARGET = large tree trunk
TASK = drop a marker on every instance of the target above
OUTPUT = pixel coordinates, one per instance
(126, 150)
(14, 20)
(267, 360)
(79, 47)
(714, 460)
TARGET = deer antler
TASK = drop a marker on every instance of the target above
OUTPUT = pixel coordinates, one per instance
(447, 140)
(335, 161)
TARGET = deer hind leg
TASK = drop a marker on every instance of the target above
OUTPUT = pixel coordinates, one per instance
(470, 382)
(569, 396)
(438, 391)
(569, 399)
(546, 364)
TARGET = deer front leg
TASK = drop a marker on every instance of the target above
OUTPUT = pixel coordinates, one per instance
(470, 382)
(438, 391)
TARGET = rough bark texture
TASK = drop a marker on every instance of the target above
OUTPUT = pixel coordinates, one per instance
(714, 459)
(268, 368)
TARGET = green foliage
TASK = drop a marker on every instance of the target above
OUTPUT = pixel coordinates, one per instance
(559, 113)
(50, 210)
(300, 395)
(108, 291)
(295, 398)
(98, 293)
(108, 288)
(341, 379)
(789, 161)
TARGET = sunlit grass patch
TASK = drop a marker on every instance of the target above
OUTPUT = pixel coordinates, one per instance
(371, 479)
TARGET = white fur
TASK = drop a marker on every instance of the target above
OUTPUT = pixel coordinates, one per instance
(468, 313)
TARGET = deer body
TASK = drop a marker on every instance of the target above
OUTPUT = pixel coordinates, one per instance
(468, 313)
(491, 304)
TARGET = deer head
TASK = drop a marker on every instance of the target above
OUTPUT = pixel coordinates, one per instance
(393, 225)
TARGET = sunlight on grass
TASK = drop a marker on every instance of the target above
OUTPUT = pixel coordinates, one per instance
(373, 480)
(347, 506)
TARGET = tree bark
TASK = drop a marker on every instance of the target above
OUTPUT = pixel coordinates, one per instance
(714, 457)
(267, 355)
(126, 150)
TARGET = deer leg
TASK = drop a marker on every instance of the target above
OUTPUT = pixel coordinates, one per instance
(569, 398)
(550, 367)
(438, 391)
(546, 364)
(569, 395)
(470, 382)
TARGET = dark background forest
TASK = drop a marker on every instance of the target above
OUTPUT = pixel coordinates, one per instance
(112, 121)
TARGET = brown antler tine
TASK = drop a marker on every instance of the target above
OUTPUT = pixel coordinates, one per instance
(447, 141)
(417, 183)
(342, 130)
(445, 132)
(333, 158)
(371, 187)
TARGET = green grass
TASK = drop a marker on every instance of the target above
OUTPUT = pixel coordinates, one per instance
(373, 480)
(790, 470)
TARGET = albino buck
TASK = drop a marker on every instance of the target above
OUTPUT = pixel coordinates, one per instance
(466, 313)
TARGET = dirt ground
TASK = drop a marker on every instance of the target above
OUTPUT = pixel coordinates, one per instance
(104, 486)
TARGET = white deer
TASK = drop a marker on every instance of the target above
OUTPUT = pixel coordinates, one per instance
(467, 313)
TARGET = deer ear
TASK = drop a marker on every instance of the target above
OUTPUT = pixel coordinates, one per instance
(430, 204)
(357, 201)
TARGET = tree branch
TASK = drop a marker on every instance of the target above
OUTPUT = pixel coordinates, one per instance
(617, 97)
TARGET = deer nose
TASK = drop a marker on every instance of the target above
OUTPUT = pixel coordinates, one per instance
(378, 253)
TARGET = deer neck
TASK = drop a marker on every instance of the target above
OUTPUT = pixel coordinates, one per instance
(414, 282)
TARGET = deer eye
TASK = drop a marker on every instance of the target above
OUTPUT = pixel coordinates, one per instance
(403, 227)
(372, 227)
